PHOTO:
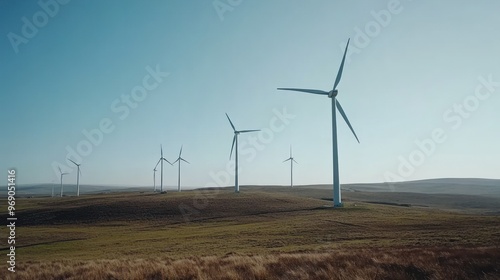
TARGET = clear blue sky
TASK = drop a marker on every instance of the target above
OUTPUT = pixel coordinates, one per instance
(406, 76)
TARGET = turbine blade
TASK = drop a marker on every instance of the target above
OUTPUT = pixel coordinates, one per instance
(60, 171)
(339, 74)
(180, 152)
(345, 118)
(313, 91)
(232, 125)
(157, 163)
(245, 131)
(167, 161)
(290, 151)
(80, 171)
(73, 162)
(232, 146)
(161, 150)
(185, 161)
(295, 161)
(287, 159)
(176, 160)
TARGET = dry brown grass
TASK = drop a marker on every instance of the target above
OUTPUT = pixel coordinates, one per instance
(417, 263)
(252, 235)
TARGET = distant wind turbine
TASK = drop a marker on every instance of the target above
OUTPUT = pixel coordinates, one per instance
(292, 160)
(235, 140)
(179, 159)
(161, 167)
(77, 177)
(337, 196)
(154, 178)
(62, 174)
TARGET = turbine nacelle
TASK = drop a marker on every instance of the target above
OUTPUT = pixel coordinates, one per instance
(333, 93)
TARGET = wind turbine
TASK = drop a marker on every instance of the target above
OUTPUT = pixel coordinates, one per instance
(77, 177)
(337, 196)
(292, 160)
(235, 139)
(62, 174)
(179, 159)
(154, 178)
(161, 166)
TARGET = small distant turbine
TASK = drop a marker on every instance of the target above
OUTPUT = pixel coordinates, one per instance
(235, 140)
(292, 160)
(179, 159)
(154, 178)
(77, 177)
(337, 198)
(62, 174)
(161, 167)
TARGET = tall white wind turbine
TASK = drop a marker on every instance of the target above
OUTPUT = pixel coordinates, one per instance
(160, 161)
(77, 177)
(292, 160)
(179, 159)
(62, 174)
(235, 140)
(337, 196)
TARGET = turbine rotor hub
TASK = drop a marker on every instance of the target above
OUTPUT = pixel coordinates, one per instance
(333, 93)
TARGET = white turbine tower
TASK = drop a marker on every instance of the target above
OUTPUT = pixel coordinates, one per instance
(154, 178)
(235, 139)
(179, 159)
(337, 198)
(161, 167)
(292, 160)
(62, 174)
(77, 177)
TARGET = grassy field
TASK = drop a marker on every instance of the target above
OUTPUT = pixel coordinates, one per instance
(257, 234)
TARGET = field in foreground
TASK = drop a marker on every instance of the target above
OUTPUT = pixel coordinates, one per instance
(437, 263)
(257, 234)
